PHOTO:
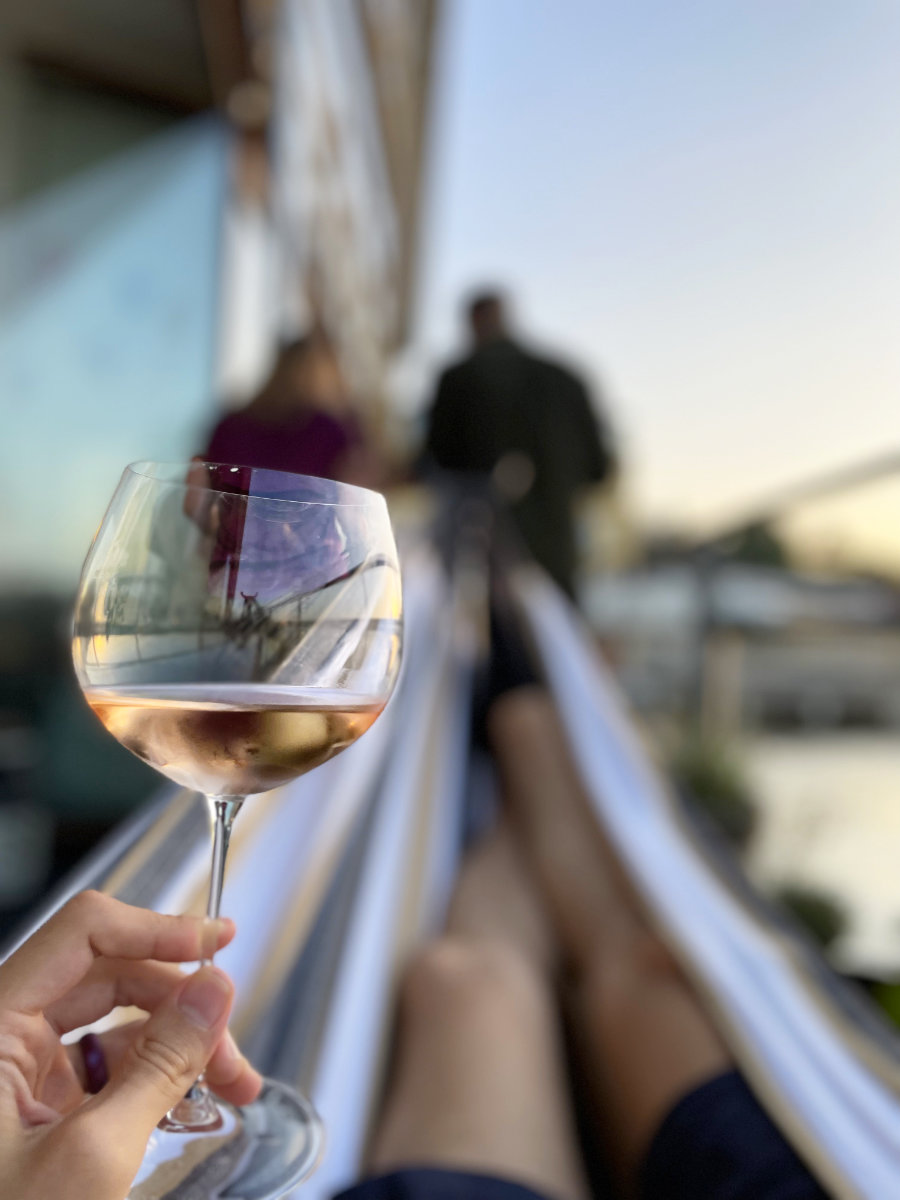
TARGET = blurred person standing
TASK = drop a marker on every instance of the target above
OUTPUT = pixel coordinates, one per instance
(301, 420)
(527, 424)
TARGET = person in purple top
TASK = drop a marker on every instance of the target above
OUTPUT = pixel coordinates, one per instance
(301, 420)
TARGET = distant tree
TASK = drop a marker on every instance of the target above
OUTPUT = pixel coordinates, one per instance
(758, 544)
(711, 776)
(821, 915)
(665, 546)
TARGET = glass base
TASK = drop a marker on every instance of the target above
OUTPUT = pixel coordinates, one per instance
(258, 1152)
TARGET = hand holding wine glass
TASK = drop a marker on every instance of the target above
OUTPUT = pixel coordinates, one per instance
(59, 1138)
(236, 628)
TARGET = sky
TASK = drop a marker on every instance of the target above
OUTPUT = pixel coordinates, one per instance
(700, 204)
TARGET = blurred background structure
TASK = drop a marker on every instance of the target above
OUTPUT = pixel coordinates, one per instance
(182, 187)
(701, 206)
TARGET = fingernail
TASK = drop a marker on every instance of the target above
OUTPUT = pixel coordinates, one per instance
(211, 935)
(205, 997)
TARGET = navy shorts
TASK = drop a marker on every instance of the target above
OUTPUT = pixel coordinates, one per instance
(717, 1143)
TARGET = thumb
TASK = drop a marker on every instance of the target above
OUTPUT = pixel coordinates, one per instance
(165, 1058)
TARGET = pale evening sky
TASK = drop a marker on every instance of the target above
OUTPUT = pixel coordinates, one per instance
(700, 202)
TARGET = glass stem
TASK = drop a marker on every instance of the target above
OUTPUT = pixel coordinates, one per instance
(197, 1110)
(222, 810)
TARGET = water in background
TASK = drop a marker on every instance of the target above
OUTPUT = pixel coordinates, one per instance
(830, 821)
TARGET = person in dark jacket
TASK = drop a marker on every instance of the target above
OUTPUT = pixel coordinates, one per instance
(528, 424)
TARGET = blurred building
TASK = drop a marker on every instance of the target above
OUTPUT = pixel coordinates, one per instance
(327, 179)
(324, 117)
(779, 648)
(182, 184)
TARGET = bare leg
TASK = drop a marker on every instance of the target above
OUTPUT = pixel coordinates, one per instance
(645, 1039)
(478, 1081)
(496, 900)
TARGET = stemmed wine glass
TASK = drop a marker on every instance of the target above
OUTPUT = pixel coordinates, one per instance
(235, 628)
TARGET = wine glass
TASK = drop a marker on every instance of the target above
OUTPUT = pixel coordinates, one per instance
(235, 628)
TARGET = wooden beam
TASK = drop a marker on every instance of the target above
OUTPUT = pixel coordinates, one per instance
(104, 82)
(226, 46)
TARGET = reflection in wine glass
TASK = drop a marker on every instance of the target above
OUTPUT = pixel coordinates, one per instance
(236, 628)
